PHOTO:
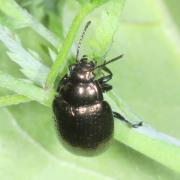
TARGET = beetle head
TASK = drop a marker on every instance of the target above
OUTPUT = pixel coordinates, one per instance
(83, 70)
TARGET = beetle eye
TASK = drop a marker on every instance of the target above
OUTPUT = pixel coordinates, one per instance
(84, 56)
(92, 64)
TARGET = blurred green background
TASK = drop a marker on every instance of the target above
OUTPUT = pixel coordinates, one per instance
(148, 79)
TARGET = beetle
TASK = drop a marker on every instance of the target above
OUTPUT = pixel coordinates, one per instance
(84, 120)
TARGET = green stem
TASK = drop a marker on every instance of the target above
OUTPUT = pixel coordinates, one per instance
(61, 58)
(12, 100)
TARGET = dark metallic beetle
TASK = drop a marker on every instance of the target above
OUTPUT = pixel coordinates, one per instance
(83, 118)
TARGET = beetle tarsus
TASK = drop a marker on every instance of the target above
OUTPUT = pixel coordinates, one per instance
(120, 117)
(137, 124)
(103, 80)
(107, 78)
(106, 87)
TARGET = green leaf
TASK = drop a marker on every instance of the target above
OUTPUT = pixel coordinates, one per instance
(23, 19)
(158, 146)
(99, 40)
(148, 80)
(63, 53)
(99, 36)
(25, 88)
(28, 61)
(52, 54)
(37, 139)
(148, 77)
(12, 100)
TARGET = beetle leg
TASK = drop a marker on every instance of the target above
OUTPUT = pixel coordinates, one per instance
(120, 117)
(106, 87)
(63, 81)
(105, 79)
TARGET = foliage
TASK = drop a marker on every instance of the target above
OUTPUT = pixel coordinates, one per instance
(148, 38)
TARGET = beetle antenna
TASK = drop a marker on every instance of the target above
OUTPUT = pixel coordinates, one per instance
(80, 41)
(108, 62)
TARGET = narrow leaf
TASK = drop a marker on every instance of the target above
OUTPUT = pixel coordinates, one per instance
(100, 36)
(24, 88)
(52, 54)
(30, 63)
(24, 19)
(12, 100)
(156, 145)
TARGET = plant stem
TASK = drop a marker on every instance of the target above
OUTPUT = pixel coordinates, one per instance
(12, 100)
(61, 58)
